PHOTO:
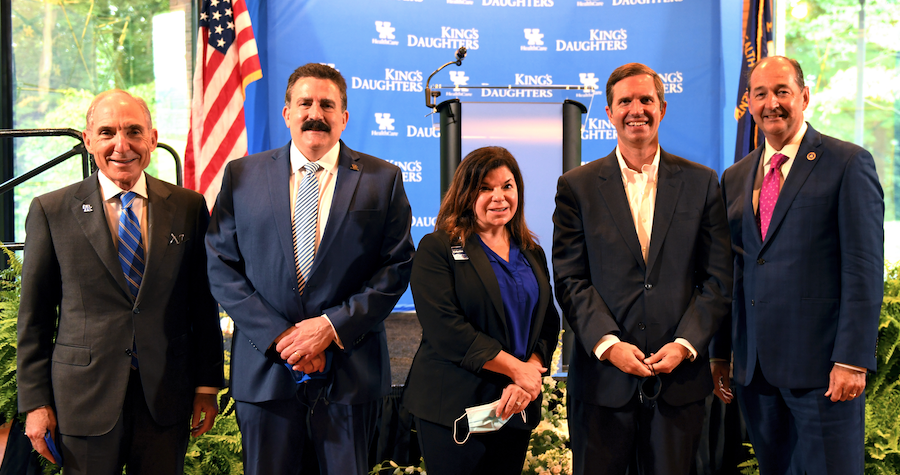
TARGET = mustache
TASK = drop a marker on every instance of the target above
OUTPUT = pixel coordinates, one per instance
(316, 125)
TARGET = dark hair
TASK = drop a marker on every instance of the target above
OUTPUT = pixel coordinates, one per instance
(457, 215)
(318, 71)
(798, 71)
(633, 69)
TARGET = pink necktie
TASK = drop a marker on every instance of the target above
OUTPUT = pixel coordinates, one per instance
(768, 195)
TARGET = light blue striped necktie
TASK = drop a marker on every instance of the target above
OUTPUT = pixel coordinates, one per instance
(306, 214)
(131, 250)
(131, 253)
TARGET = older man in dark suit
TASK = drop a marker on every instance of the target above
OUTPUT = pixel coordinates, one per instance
(806, 214)
(309, 251)
(643, 275)
(119, 338)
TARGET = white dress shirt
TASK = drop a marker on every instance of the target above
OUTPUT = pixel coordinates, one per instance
(640, 188)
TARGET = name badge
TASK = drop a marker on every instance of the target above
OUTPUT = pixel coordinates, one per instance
(458, 253)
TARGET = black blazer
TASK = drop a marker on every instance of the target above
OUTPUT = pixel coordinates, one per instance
(604, 286)
(464, 326)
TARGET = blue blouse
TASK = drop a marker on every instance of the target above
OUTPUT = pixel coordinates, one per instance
(519, 292)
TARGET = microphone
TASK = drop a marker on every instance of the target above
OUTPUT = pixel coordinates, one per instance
(460, 55)
(430, 95)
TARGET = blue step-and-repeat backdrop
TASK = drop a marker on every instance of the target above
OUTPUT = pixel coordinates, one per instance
(386, 49)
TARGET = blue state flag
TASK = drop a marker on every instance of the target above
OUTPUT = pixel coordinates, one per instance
(756, 45)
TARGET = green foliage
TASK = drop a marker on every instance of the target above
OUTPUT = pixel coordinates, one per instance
(393, 468)
(217, 452)
(10, 282)
(883, 389)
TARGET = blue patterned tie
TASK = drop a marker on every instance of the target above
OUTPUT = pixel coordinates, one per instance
(131, 253)
(306, 214)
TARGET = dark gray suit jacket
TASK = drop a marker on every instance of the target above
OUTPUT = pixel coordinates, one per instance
(604, 286)
(73, 287)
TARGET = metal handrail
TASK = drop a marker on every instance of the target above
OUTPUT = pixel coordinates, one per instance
(87, 165)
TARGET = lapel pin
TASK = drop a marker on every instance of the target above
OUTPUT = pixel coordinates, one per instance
(354, 167)
(176, 239)
(811, 156)
(86, 208)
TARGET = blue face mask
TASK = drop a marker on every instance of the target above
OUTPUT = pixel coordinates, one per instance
(482, 418)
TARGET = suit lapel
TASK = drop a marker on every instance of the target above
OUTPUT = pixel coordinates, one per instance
(537, 319)
(482, 266)
(751, 233)
(613, 192)
(800, 170)
(278, 172)
(345, 185)
(668, 189)
(96, 228)
(159, 219)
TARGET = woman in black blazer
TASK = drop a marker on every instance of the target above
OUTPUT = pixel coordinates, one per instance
(489, 326)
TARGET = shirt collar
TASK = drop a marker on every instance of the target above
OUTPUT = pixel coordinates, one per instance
(110, 190)
(328, 161)
(790, 149)
(651, 170)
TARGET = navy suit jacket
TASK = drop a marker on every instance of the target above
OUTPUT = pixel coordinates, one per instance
(464, 326)
(810, 294)
(73, 286)
(360, 271)
(604, 286)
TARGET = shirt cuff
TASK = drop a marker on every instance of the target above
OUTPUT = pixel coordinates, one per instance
(605, 343)
(337, 339)
(850, 366)
(690, 348)
(207, 390)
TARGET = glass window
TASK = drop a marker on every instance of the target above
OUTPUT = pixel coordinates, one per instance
(66, 52)
(823, 35)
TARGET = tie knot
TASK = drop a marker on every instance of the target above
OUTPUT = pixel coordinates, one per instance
(312, 167)
(128, 199)
(778, 160)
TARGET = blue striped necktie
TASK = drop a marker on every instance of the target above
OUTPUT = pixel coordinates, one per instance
(306, 214)
(131, 253)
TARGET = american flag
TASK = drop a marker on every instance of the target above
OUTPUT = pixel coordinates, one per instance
(227, 61)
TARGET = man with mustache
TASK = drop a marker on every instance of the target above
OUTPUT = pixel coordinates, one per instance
(309, 250)
(642, 264)
(119, 339)
(806, 213)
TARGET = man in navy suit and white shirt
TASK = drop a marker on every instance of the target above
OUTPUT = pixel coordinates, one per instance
(324, 319)
(643, 274)
(809, 264)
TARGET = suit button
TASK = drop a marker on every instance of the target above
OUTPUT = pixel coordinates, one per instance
(128, 352)
(760, 261)
(642, 326)
(136, 310)
(648, 286)
(752, 303)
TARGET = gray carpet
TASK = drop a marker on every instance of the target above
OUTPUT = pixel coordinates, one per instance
(403, 335)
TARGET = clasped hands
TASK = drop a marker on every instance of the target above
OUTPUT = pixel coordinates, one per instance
(630, 359)
(303, 344)
(526, 386)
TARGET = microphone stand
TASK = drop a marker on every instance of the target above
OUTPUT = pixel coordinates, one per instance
(430, 95)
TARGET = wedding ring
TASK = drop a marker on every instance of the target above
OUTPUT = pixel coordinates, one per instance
(852, 394)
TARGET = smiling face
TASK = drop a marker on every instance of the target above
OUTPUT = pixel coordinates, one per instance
(497, 200)
(315, 116)
(120, 138)
(776, 101)
(636, 111)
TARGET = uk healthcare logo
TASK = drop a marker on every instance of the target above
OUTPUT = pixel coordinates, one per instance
(589, 81)
(385, 34)
(535, 40)
(385, 125)
(459, 80)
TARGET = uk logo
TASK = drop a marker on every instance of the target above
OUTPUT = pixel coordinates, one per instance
(534, 36)
(385, 30)
(459, 78)
(385, 122)
(588, 80)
